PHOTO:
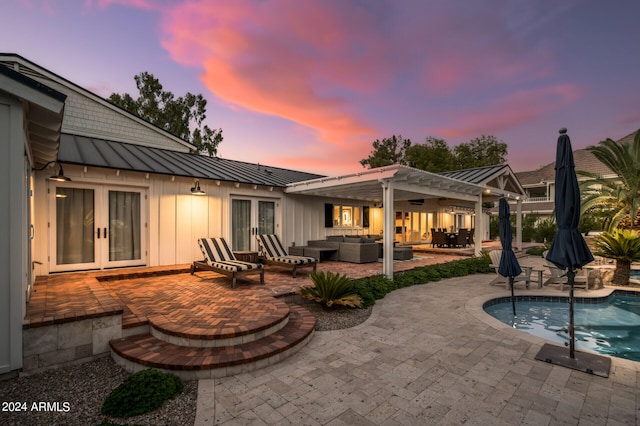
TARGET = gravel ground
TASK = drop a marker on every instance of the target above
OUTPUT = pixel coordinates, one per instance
(84, 387)
(81, 389)
(335, 318)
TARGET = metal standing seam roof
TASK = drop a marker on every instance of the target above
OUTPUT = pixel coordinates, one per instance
(86, 151)
(478, 175)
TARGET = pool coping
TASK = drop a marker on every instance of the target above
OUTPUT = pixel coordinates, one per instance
(475, 307)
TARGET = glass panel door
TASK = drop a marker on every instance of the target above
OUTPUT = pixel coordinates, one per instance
(250, 217)
(124, 230)
(241, 225)
(266, 217)
(97, 227)
(75, 244)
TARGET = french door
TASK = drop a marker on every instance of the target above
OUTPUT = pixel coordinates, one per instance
(251, 217)
(96, 227)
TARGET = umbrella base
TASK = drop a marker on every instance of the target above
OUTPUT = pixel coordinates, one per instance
(585, 362)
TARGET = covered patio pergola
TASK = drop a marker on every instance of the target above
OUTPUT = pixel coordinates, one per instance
(387, 185)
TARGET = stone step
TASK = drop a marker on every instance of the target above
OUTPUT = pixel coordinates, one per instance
(139, 352)
(221, 326)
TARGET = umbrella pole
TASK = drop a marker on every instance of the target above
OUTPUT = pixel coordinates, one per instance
(571, 278)
(513, 301)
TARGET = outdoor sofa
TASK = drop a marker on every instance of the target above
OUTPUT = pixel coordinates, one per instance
(349, 249)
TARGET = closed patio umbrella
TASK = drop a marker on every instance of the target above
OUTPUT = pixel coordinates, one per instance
(569, 249)
(509, 266)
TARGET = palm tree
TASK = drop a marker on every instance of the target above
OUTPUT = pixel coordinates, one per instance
(623, 245)
(619, 197)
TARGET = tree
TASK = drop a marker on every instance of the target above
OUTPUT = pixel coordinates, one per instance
(182, 116)
(387, 152)
(433, 155)
(620, 198)
(480, 152)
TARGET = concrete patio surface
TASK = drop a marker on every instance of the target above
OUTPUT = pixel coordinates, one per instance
(428, 355)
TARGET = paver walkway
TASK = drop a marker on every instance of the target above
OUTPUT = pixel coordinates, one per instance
(428, 355)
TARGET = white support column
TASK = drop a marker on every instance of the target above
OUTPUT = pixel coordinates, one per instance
(479, 228)
(388, 230)
(519, 224)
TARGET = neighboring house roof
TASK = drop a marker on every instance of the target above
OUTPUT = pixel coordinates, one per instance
(94, 152)
(43, 110)
(91, 115)
(583, 159)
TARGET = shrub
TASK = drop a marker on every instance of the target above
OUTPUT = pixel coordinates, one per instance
(373, 288)
(329, 289)
(536, 251)
(545, 231)
(141, 393)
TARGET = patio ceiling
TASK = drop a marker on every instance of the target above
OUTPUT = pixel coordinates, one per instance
(408, 184)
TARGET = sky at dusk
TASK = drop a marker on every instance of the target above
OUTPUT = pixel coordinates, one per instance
(310, 84)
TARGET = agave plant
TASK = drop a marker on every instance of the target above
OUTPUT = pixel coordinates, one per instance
(330, 289)
(623, 245)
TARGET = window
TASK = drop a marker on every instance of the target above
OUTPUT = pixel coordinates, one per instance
(347, 216)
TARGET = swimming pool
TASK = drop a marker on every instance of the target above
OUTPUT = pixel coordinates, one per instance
(607, 325)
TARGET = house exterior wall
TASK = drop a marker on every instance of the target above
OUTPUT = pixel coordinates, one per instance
(174, 218)
(87, 114)
(13, 233)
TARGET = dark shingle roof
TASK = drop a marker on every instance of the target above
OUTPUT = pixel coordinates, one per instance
(87, 151)
(583, 158)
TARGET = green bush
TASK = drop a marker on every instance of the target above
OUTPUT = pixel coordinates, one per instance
(373, 288)
(536, 251)
(329, 289)
(545, 231)
(141, 393)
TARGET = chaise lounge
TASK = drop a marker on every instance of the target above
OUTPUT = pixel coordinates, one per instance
(275, 254)
(218, 257)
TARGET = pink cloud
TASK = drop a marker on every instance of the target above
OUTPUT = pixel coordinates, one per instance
(267, 57)
(514, 109)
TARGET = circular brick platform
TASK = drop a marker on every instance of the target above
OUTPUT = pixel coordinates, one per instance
(233, 319)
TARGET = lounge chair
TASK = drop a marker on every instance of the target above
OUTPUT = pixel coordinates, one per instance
(275, 254)
(218, 257)
(524, 277)
(559, 276)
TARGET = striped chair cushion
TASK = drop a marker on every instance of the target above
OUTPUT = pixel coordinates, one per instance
(294, 260)
(235, 265)
(273, 250)
(217, 254)
(271, 246)
(215, 250)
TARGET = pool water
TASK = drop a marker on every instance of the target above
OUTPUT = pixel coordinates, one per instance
(610, 326)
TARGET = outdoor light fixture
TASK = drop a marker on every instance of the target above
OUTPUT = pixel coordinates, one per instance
(196, 189)
(60, 177)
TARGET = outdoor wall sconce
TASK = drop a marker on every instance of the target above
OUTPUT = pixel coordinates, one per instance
(60, 177)
(196, 189)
